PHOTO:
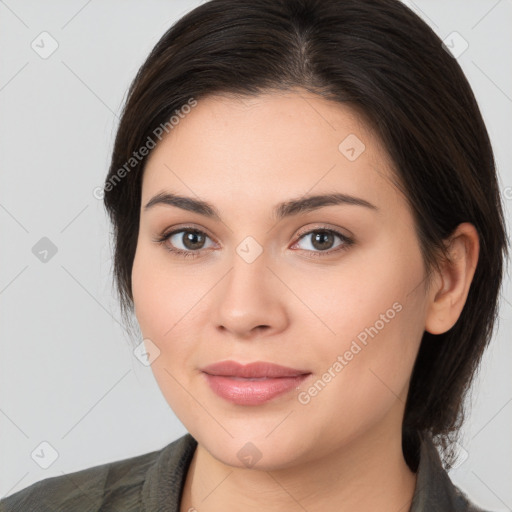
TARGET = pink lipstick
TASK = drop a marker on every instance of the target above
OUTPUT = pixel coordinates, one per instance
(253, 383)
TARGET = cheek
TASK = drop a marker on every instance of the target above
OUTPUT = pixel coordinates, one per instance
(363, 367)
(160, 298)
(372, 293)
(161, 305)
(171, 307)
(362, 378)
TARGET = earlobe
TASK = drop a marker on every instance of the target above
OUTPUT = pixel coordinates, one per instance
(449, 293)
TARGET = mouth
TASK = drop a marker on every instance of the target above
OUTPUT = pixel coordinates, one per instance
(254, 383)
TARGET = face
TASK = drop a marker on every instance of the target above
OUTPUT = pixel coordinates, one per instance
(334, 291)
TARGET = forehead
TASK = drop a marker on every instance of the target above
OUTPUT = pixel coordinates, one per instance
(273, 145)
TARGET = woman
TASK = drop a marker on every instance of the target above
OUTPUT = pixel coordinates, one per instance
(309, 232)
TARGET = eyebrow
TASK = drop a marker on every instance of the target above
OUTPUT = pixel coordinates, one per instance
(285, 209)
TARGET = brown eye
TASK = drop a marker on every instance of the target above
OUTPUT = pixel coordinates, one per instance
(186, 242)
(323, 240)
(192, 240)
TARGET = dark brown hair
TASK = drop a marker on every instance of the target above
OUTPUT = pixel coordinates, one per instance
(380, 58)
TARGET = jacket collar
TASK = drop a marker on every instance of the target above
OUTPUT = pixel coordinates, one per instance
(434, 489)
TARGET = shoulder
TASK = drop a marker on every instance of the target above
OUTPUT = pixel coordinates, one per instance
(463, 503)
(434, 488)
(86, 489)
(118, 484)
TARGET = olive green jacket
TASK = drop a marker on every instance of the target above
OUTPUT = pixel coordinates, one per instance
(154, 482)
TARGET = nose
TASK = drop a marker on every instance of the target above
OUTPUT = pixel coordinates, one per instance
(250, 300)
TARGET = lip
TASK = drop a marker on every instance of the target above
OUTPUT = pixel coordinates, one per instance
(253, 383)
(256, 370)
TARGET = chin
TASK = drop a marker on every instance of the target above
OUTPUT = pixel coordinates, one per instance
(254, 448)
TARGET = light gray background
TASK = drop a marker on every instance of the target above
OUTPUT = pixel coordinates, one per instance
(68, 375)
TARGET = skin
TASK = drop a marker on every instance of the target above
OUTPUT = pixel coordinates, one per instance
(291, 306)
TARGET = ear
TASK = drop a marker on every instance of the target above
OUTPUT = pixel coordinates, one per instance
(450, 290)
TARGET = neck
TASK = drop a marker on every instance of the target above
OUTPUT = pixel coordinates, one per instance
(367, 474)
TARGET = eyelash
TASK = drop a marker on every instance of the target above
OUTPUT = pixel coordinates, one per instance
(347, 242)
